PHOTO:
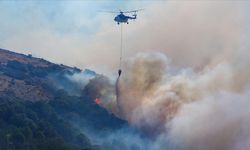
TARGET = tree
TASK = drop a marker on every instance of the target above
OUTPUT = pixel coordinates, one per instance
(17, 138)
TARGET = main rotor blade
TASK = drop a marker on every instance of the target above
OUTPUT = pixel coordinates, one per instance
(132, 11)
(113, 12)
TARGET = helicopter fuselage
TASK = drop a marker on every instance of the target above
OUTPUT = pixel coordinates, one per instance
(121, 18)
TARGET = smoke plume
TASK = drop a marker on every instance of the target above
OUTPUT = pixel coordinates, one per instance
(206, 109)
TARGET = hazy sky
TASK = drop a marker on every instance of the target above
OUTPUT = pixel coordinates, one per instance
(77, 33)
(59, 30)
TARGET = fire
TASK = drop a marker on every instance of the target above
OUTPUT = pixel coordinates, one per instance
(98, 101)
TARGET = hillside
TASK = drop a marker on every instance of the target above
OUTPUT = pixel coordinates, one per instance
(26, 77)
(42, 108)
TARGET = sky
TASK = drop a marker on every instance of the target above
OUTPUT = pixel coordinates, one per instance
(77, 33)
(58, 30)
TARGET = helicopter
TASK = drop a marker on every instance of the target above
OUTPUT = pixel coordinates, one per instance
(121, 18)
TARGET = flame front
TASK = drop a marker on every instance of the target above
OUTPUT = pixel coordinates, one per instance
(98, 101)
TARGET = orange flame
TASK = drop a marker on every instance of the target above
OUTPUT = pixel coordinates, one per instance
(98, 101)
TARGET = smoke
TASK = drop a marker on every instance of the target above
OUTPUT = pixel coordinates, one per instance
(81, 78)
(125, 138)
(207, 109)
(118, 96)
(211, 31)
(185, 109)
(102, 88)
(216, 122)
(177, 108)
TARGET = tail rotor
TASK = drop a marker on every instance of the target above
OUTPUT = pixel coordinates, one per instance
(135, 15)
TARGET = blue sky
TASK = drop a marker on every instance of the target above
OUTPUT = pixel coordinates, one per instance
(49, 29)
(59, 16)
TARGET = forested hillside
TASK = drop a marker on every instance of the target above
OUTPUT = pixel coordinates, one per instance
(42, 109)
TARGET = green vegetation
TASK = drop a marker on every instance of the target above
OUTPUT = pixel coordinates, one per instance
(53, 125)
(36, 126)
(28, 122)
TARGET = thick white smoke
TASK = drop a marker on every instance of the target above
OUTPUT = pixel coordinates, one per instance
(220, 121)
(206, 109)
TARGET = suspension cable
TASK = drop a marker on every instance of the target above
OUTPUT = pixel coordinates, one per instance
(121, 48)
